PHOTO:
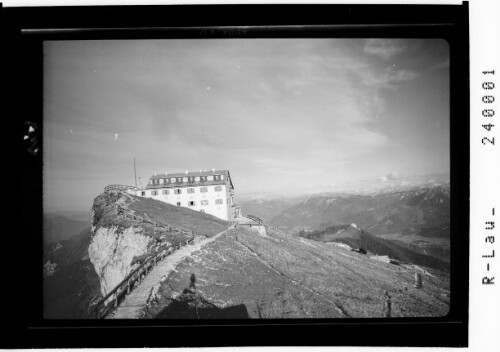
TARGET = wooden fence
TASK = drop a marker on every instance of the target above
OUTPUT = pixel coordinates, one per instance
(256, 219)
(127, 214)
(112, 299)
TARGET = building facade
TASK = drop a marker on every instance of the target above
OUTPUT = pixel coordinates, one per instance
(210, 192)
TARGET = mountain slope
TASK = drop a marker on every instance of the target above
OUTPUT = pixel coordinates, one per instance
(57, 228)
(241, 275)
(282, 276)
(420, 210)
(78, 272)
(70, 282)
(417, 219)
(266, 209)
(356, 238)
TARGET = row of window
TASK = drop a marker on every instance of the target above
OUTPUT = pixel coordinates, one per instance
(192, 203)
(179, 191)
(191, 179)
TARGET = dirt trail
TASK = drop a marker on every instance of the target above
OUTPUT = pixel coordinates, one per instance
(133, 304)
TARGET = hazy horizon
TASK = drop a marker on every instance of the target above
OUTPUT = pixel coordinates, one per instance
(282, 115)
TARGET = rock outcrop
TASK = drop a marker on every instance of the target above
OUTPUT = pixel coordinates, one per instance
(127, 229)
(112, 252)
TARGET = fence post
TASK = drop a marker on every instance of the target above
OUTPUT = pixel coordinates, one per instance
(418, 280)
(388, 308)
(128, 286)
(116, 298)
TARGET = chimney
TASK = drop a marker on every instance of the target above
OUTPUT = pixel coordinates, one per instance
(186, 172)
(166, 172)
(155, 173)
(213, 169)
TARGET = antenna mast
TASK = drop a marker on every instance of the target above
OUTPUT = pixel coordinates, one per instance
(135, 174)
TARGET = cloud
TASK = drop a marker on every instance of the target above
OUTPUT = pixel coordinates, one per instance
(384, 48)
(388, 78)
(443, 64)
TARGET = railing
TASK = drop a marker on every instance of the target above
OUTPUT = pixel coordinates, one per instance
(127, 214)
(103, 307)
(254, 218)
(120, 188)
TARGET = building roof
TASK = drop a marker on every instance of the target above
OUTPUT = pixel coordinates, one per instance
(227, 177)
(192, 173)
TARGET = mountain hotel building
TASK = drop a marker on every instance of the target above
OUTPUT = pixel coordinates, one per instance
(210, 192)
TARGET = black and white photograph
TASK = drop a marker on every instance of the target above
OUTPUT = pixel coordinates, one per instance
(250, 175)
(246, 179)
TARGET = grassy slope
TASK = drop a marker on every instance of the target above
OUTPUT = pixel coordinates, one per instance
(289, 277)
(199, 223)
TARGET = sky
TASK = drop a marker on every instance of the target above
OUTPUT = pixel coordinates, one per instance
(284, 116)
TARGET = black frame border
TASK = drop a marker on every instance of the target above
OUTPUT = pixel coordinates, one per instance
(25, 29)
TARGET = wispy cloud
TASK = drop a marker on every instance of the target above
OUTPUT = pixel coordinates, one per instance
(384, 48)
(388, 78)
(279, 113)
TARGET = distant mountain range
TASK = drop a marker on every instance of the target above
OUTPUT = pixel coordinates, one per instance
(424, 211)
(269, 205)
(416, 218)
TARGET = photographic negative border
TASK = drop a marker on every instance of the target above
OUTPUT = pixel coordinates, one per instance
(27, 28)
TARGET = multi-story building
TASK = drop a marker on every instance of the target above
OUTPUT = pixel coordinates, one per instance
(210, 192)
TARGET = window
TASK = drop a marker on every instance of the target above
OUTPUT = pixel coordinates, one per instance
(219, 201)
(154, 193)
(204, 202)
(178, 191)
(184, 179)
(179, 180)
(165, 191)
(197, 179)
(203, 189)
(203, 178)
(191, 179)
(218, 188)
(190, 190)
(178, 204)
(161, 181)
(191, 203)
(143, 193)
(210, 178)
(166, 180)
(217, 177)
